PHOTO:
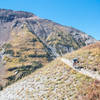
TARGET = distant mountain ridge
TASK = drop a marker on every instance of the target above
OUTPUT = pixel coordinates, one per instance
(54, 34)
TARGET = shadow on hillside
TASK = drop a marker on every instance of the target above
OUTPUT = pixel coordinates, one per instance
(22, 71)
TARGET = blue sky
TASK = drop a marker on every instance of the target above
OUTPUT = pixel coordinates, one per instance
(81, 14)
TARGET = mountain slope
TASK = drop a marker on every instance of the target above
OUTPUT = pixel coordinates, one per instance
(89, 57)
(56, 81)
(28, 42)
(62, 38)
(23, 54)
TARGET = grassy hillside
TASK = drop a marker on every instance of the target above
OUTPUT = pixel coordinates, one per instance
(24, 53)
(55, 81)
(89, 57)
(63, 42)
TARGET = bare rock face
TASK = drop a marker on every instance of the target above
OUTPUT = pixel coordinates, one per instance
(6, 20)
(63, 38)
(10, 15)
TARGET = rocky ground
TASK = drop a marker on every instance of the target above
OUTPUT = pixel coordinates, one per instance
(56, 81)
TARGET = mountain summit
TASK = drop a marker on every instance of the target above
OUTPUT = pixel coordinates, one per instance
(10, 15)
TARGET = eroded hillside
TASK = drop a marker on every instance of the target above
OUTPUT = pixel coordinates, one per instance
(23, 54)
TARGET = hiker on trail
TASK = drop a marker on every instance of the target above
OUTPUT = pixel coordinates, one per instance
(75, 61)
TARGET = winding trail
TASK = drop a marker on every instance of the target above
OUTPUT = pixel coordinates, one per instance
(82, 71)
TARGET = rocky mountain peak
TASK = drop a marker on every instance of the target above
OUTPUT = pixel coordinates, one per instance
(10, 15)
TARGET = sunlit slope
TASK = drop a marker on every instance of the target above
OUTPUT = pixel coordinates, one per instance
(24, 53)
(55, 81)
(89, 57)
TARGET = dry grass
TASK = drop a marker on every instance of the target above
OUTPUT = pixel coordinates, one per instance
(88, 56)
(22, 50)
(93, 91)
(54, 81)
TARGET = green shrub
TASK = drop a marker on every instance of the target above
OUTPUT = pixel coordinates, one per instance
(22, 59)
(39, 56)
(1, 87)
(7, 46)
(11, 52)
